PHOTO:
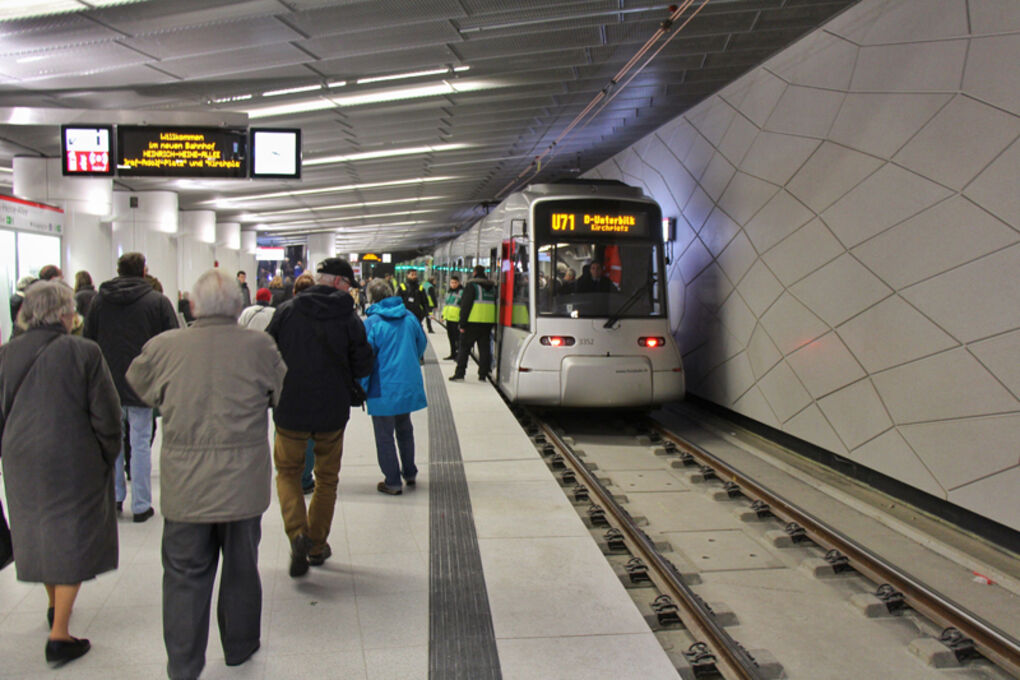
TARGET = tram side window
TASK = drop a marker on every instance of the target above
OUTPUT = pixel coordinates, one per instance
(520, 318)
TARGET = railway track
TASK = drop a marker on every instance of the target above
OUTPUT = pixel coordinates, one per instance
(950, 635)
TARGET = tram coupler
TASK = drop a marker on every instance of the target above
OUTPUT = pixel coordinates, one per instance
(637, 571)
(666, 611)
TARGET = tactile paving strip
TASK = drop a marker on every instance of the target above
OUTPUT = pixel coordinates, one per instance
(462, 642)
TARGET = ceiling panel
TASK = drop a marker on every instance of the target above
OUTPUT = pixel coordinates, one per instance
(542, 62)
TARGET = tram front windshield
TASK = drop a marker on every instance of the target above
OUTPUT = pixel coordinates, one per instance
(599, 259)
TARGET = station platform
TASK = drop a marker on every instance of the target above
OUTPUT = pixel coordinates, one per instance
(484, 570)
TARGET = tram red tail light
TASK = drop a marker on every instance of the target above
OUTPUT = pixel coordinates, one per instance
(651, 342)
(557, 340)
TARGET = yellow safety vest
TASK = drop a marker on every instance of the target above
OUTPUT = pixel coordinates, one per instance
(451, 307)
(484, 308)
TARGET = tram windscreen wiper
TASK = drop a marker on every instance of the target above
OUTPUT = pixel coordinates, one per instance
(630, 302)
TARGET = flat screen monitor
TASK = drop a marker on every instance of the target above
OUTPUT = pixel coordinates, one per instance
(275, 153)
(158, 151)
(87, 150)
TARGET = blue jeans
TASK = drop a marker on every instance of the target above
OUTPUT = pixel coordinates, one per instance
(384, 427)
(306, 476)
(138, 420)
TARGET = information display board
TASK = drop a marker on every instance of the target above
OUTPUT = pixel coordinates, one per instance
(596, 218)
(156, 151)
(87, 150)
(275, 153)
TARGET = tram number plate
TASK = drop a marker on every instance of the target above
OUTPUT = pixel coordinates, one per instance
(562, 221)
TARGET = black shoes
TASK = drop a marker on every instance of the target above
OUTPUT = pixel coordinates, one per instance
(449, 358)
(410, 482)
(240, 661)
(456, 378)
(299, 556)
(142, 516)
(382, 488)
(316, 559)
(308, 489)
(483, 378)
(59, 652)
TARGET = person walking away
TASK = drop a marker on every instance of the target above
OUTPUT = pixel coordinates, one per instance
(395, 387)
(413, 296)
(215, 470)
(84, 292)
(276, 289)
(125, 315)
(323, 343)
(302, 283)
(242, 282)
(258, 316)
(451, 315)
(477, 318)
(61, 437)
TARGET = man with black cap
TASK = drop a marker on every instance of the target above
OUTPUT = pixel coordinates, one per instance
(323, 343)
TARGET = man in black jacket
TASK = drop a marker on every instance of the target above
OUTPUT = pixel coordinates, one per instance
(477, 319)
(124, 315)
(414, 296)
(323, 343)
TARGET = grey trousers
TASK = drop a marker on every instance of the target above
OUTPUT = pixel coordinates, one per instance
(190, 555)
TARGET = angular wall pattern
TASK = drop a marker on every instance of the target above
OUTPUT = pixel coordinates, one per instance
(847, 260)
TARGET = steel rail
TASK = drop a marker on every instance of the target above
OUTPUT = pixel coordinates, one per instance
(733, 661)
(994, 644)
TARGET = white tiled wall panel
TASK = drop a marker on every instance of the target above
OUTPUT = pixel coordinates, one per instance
(847, 266)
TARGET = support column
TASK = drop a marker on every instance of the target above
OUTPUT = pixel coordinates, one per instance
(320, 246)
(228, 246)
(196, 245)
(146, 222)
(248, 263)
(87, 203)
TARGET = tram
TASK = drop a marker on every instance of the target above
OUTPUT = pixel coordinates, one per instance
(581, 307)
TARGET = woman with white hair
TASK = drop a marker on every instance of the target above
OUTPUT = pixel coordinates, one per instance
(213, 383)
(61, 437)
(395, 388)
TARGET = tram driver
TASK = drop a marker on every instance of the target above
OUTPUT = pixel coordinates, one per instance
(593, 280)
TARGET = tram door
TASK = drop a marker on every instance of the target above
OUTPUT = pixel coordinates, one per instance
(505, 309)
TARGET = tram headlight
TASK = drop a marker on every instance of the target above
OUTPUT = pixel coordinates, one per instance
(556, 340)
(651, 342)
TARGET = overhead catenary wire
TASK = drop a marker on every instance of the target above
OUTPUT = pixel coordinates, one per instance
(608, 93)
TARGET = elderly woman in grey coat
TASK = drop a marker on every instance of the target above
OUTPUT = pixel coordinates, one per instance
(61, 436)
(213, 382)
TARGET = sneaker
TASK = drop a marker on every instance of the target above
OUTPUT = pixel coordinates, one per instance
(143, 516)
(382, 488)
(316, 559)
(299, 556)
(456, 378)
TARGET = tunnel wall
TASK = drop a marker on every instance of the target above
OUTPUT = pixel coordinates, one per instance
(847, 261)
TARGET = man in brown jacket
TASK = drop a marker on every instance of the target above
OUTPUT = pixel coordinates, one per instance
(213, 382)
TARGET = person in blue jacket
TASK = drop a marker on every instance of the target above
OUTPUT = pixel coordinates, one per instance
(395, 388)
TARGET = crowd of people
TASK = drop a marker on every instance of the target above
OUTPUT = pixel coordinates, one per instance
(89, 369)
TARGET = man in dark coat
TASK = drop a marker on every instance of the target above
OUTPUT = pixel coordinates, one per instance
(324, 346)
(242, 281)
(414, 296)
(123, 316)
(477, 319)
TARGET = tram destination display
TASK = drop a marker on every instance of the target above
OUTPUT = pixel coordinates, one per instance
(156, 151)
(87, 150)
(588, 219)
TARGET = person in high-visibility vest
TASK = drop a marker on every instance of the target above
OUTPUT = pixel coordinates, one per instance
(451, 315)
(477, 318)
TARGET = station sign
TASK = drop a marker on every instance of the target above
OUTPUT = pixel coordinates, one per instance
(590, 219)
(156, 151)
(22, 215)
(87, 150)
(270, 254)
